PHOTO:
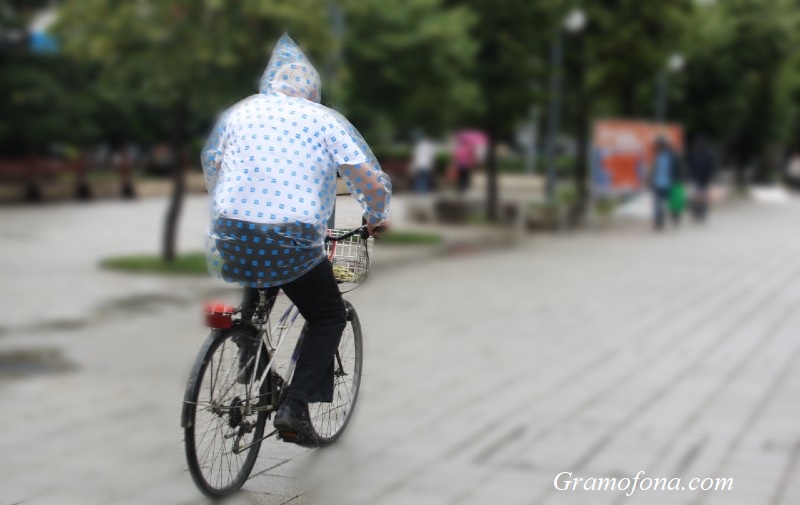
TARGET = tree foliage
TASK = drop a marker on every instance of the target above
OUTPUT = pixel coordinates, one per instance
(207, 55)
(140, 70)
(510, 65)
(742, 73)
(627, 43)
(159, 56)
(407, 64)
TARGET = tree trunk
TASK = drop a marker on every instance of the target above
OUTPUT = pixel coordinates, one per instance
(33, 192)
(178, 184)
(740, 170)
(491, 179)
(82, 189)
(127, 190)
(491, 128)
(174, 211)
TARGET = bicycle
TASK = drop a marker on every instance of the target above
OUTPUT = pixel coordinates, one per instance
(239, 376)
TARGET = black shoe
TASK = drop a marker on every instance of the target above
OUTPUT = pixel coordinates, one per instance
(295, 427)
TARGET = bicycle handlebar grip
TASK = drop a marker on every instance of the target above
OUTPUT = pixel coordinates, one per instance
(365, 231)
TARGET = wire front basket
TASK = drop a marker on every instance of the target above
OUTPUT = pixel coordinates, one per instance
(350, 259)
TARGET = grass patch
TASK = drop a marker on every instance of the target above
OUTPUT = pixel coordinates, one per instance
(410, 238)
(194, 263)
(185, 264)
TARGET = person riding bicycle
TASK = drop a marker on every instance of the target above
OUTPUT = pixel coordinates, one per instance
(270, 165)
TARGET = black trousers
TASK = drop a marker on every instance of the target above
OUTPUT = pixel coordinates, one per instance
(464, 176)
(316, 295)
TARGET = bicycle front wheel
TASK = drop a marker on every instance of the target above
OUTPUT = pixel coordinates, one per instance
(330, 419)
(222, 426)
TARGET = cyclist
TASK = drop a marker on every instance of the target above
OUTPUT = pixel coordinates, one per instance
(270, 166)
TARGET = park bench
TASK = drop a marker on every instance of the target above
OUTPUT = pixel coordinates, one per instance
(33, 172)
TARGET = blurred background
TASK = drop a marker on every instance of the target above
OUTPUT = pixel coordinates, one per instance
(592, 269)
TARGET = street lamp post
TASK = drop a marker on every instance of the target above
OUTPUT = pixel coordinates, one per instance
(675, 63)
(573, 23)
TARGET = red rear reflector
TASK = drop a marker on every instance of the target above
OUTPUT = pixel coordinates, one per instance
(218, 315)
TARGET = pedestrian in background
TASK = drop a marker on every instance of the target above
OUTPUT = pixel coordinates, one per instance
(702, 167)
(422, 162)
(666, 184)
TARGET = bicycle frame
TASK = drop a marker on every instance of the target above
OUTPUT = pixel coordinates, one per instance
(289, 315)
(267, 335)
(244, 370)
(272, 340)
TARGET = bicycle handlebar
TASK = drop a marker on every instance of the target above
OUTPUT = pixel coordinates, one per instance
(362, 232)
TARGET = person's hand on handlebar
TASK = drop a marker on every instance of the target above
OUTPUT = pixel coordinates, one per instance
(376, 230)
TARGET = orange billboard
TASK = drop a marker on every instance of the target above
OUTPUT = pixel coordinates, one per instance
(622, 152)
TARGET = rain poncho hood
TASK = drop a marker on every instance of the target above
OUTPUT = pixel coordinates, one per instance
(270, 165)
(289, 72)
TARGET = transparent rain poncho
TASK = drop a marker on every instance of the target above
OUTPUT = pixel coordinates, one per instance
(270, 165)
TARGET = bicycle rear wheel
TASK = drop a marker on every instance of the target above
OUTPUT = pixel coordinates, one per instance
(222, 429)
(330, 419)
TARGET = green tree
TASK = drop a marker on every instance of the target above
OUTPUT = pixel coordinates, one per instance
(741, 78)
(609, 68)
(512, 38)
(626, 45)
(41, 95)
(180, 59)
(43, 103)
(406, 65)
(170, 65)
(612, 65)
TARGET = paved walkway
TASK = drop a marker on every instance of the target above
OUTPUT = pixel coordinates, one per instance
(599, 353)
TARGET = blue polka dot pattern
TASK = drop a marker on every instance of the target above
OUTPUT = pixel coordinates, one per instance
(270, 165)
(259, 255)
(289, 72)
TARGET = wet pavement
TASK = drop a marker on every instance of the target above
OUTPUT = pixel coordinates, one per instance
(602, 353)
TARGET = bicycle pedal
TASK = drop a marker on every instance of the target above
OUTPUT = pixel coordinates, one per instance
(288, 436)
(294, 437)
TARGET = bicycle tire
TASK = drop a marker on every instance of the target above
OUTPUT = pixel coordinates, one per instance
(216, 488)
(327, 425)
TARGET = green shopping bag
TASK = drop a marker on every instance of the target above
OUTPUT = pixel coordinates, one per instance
(677, 198)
